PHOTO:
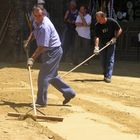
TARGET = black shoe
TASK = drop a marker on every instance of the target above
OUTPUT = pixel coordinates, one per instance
(107, 80)
(67, 99)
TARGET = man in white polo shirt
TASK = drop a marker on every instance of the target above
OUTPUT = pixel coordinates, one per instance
(82, 40)
(50, 51)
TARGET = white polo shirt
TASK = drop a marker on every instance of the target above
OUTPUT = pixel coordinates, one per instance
(84, 31)
(46, 34)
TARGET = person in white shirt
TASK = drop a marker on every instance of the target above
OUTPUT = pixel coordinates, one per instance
(82, 40)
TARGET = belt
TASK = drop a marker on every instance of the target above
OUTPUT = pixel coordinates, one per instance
(51, 48)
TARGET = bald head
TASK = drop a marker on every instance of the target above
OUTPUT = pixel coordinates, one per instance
(101, 17)
(37, 9)
(101, 14)
(72, 2)
(72, 5)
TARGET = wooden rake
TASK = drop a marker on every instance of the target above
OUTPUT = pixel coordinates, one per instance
(107, 44)
(23, 116)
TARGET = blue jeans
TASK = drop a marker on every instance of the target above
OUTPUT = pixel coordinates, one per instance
(107, 57)
(48, 75)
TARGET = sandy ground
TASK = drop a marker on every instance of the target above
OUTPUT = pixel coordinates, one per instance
(100, 110)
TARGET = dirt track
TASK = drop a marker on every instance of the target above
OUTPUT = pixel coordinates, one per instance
(100, 110)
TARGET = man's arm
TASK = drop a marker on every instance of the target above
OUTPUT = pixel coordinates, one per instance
(96, 47)
(117, 28)
(118, 32)
(79, 24)
(38, 52)
(66, 17)
(83, 20)
(96, 42)
(30, 38)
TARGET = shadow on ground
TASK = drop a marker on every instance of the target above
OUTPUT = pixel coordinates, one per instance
(121, 68)
(14, 105)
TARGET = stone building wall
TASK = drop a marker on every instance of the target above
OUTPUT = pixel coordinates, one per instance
(16, 29)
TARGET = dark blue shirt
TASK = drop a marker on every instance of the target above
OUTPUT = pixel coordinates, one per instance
(72, 18)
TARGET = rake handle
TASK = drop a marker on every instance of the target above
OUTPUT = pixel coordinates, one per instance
(32, 90)
(85, 60)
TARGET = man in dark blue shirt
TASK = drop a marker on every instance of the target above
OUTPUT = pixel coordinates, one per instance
(69, 32)
(106, 29)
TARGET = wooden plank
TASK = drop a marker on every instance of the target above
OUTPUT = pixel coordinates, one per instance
(51, 118)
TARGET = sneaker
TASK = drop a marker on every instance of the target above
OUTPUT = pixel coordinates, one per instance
(107, 80)
(71, 64)
(66, 100)
(86, 64)
(39, 105)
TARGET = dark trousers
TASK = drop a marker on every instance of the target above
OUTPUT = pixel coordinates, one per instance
(48, 75)
(68, 43)
(107, 57)
(82, 49)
